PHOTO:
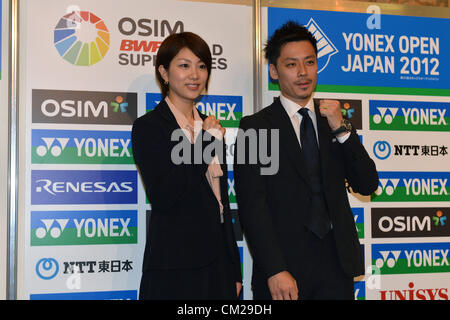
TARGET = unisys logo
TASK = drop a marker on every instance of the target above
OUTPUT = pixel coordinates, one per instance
(414, 292)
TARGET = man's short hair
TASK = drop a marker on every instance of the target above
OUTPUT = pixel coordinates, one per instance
(288, 32)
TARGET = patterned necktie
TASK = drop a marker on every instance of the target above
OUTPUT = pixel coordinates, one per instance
(318, 221)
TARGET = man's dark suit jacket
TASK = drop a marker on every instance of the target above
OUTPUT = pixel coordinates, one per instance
(185, 222)
(272, 208)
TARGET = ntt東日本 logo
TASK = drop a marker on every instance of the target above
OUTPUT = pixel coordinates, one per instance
(409, 115)
(404, 258)
(325, 48)
(412, 186)
(81, 38)
(382, 149)
(94, 227)
(47, 268)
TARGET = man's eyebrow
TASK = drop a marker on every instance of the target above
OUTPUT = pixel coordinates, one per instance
(304, 58)
(289, 58)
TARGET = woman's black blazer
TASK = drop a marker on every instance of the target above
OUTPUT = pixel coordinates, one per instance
(184, 226)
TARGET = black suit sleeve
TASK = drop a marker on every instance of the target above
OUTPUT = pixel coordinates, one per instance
(229, 232)
(163, 179)
(254, 214)
(360, 169)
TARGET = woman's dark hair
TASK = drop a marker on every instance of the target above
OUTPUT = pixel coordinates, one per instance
(172, 45)
(288, 32)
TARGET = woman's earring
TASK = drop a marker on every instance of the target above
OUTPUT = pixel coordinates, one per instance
(166, 82)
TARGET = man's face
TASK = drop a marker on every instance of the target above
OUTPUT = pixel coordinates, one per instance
(296, 71)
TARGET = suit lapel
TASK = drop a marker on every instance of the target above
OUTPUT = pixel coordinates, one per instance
(167, 115)
(279, 119)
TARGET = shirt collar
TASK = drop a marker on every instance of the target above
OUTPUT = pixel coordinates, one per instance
(292, 108)
(182, 121)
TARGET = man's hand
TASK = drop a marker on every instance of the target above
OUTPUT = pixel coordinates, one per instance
(331, 109)
(283, 286)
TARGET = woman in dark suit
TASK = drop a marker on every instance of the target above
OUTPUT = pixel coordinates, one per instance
(190, 251)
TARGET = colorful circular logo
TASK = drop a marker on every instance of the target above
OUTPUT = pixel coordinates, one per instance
(81, 38)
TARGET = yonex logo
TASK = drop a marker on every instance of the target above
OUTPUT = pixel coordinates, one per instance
(90, 147)
(411, 257)
(325, 48)
(104, 227)
(412, 186)
(387, 186)
(81, 38)
(54, 228)
(54, 145)
(51, 229)
(227, 109)
(409, 115)
(389, 258)
(81, 146)
(386, 115)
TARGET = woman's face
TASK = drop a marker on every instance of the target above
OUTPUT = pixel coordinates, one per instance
(187, 76)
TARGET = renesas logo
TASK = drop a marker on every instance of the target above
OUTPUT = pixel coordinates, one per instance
(84, 107)
(81, 147)
(412, 186)
(409, 115)
(382, 149)
(410, 222)
(55, 228)
(227, 109)
(405, 258)
(413, 292)
(83, 187)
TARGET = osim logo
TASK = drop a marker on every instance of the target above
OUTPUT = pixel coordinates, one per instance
(81, 38)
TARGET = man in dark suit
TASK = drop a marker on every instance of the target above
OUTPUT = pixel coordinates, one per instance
(298, 221)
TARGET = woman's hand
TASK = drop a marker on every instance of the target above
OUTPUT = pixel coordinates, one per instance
(212, 125)
(238, 288)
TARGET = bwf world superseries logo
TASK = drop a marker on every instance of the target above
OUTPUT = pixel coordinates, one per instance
(81, 38)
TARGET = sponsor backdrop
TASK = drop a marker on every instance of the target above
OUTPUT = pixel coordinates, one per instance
(391, 75)
(89, 75)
